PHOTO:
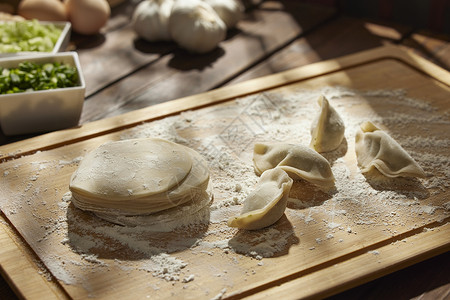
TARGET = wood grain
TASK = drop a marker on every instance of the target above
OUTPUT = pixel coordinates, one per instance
(434, 47)
(59, 138)
(107, 60)
(410, 283)
(338, 71)
(351, 35)
(338, 37)
(178, 74)
(355, 270)
(19, 262)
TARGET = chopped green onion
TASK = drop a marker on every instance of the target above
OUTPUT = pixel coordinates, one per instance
(30, 76)
(28, 35)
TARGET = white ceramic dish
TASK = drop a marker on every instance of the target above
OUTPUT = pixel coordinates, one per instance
(42, 111)
(60, 45)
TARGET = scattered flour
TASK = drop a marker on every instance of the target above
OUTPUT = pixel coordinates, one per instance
(165, 266)
(225, 135)
(189, 278)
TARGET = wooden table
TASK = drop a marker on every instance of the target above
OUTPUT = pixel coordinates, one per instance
(123, 74)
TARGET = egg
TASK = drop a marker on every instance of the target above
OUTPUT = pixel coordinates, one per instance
(43, 10)
(88, 16)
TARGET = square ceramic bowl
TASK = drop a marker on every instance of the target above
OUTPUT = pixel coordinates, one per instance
(60, 45)
(46, 110)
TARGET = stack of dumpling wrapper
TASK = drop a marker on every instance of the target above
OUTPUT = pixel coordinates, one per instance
(139, 177)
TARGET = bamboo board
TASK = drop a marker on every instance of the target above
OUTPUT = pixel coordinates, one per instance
(44, 232)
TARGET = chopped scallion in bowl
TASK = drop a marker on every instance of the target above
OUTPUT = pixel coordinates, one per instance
(29, 76)
(28, 36)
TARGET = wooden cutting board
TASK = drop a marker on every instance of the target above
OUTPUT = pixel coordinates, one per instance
(326, 242)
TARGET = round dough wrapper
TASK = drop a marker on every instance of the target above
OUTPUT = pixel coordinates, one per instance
(138, 177)
(194, 211)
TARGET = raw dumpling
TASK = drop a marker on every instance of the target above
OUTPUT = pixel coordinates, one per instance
(138, 177)
(376, 149)
(327, 130)
(267, 203)
(298, 161)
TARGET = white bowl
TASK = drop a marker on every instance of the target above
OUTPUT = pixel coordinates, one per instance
(42, 111)
(60, 45)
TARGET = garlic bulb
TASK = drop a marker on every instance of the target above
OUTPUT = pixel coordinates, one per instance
(150, 20)
(230, 11)
(195, 26)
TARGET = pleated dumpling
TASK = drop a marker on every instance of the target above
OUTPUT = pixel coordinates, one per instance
(267, 203)
(376, 149)
(327, 130)
(300, 162)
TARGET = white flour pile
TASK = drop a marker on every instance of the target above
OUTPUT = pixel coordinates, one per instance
(225, 135)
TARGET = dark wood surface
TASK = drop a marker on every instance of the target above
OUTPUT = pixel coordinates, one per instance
(124, 73)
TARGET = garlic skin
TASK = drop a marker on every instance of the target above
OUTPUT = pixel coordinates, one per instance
(195, 26)
(150, 20)
(230, 11)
